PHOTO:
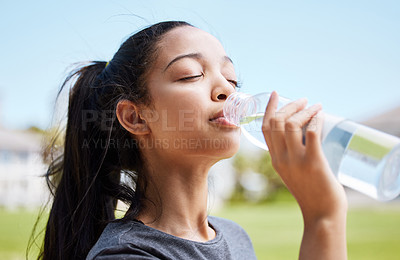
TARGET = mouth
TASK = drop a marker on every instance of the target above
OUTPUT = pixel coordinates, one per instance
(220, 120)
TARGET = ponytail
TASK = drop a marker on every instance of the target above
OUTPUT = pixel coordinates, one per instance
(85, 179)
(81, 205)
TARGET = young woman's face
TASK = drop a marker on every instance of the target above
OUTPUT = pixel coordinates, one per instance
(189, 83)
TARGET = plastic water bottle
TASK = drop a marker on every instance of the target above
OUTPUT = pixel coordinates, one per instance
(362, 158)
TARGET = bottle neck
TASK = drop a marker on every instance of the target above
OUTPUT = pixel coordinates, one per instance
(235, 107)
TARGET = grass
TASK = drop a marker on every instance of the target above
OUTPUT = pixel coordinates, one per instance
(15, 230)
(275, 229)
(374, 234)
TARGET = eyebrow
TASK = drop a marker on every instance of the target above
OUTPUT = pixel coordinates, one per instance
(195, 56)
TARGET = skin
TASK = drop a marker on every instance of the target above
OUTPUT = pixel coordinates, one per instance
(189, 83)
(186, 94)
(306, 173)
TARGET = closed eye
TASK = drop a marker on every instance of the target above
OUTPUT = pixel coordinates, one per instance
(234, 83)
(191, 77)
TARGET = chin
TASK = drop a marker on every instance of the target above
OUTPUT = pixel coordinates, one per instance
(226, 148)
(220, 145)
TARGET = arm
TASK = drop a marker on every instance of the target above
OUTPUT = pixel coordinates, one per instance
(306, 172)
(324, 239)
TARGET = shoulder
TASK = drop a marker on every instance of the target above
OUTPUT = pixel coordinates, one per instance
(236, 237)
(231, 231)
(225, 225)
(133, 240)
(112, 243)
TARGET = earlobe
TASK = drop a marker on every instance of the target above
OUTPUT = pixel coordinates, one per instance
(129, 117)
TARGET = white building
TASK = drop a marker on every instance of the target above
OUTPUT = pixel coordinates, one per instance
(388, 122)
(21, 168)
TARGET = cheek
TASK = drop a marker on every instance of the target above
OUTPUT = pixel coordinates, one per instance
(185, 112)
(178, 118)
(180, 109)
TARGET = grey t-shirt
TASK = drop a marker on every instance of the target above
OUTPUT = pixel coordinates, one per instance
(134, 240)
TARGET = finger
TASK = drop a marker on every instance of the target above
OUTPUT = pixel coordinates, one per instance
(294, 127)
(269, 113)
(293, 107)
(313, 135)
(277, 124)
(271, 108)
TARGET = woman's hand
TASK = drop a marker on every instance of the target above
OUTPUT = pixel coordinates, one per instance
(306, 173)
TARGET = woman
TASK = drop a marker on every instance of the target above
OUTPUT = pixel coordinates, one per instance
(139, 115)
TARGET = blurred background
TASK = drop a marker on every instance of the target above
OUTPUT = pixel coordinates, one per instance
(343, 54)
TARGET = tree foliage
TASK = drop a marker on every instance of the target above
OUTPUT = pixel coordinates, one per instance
(260, 164)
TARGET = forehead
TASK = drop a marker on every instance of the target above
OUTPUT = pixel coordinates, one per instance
(187, 39)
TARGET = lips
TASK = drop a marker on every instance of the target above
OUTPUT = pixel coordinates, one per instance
(220, 114)
(220, 120)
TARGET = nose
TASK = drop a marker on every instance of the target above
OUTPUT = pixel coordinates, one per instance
(222, 89)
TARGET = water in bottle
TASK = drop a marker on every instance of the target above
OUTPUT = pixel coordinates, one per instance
(362, 158)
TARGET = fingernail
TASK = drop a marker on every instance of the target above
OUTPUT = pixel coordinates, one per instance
(316, 106)
(303, 99)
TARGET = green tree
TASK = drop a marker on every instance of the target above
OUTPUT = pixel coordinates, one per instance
(259, 164)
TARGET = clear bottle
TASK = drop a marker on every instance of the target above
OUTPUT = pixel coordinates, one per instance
(362, 158)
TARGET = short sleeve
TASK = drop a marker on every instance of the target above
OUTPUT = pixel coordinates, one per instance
(122, 252)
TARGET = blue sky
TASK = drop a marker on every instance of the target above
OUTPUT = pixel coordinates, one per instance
(344, 54)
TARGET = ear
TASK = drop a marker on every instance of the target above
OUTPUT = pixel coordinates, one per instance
(129, 117)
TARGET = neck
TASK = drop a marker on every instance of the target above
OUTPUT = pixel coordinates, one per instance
(177, 198)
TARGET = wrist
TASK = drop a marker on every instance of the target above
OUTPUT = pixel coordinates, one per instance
(324, 238)
(335, 217)
(326, 223)
(330, 207)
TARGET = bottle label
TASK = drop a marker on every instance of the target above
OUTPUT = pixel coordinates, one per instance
(371, 144)
(365, 159)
